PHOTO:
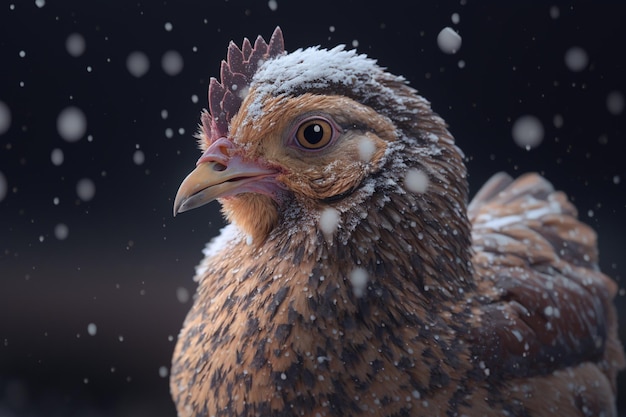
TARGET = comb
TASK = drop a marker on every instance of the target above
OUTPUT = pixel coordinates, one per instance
(226, 95)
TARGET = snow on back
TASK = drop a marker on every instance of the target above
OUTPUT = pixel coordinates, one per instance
(416, 181)
(367, 148)
(358, 279)
(329, 221)
(527, 132)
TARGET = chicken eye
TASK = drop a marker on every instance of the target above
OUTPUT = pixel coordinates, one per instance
(314, 134)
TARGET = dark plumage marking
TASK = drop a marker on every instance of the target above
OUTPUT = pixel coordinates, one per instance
(252, 327)
(298, 254)
(277, 300)
(438, 377)
(260, 356)
(376, 366)
(282, 333)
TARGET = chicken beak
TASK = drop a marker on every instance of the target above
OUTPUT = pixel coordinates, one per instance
(219, 174)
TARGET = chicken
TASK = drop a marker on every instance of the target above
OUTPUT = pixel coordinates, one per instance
(354, 279)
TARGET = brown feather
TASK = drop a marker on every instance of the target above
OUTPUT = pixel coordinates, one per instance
(415, 303)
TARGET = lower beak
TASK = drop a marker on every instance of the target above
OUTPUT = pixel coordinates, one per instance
(213, 179)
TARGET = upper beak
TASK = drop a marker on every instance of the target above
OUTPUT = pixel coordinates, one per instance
(218, 174)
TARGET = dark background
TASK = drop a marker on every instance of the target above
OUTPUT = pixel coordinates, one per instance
(127, 264)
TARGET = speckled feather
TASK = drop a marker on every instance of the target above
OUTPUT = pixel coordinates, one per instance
(493, 309)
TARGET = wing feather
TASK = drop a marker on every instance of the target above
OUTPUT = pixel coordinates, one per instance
(545, 304)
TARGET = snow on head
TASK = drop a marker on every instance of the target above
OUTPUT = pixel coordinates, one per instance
(71, 124)
(358, 279)
(527, 132)
(172, 63)
(3, 186)
(576, 59)
(5, 117)
(416, 181)
(449, 41)
(85, 189)
(329, 221)
(137, 64)
(366, 148)
(75, 44)
(314, 68)
(614, 103)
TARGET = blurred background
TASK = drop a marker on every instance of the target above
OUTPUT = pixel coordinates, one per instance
(99, 102)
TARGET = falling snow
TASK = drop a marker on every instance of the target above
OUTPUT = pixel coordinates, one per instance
(329, 221)
(449, 41)
(614, 103)
(137, 64)
(139, 157)
(172, 63)
(182, 295)
(92, 329)
(5, 117)
(358, 279)
(61, 231)
(40, 3)
(366, 148)
(416, 181)
(57, 157)
(273, 5)
(555, 12)
(455, 18)
(75, 44)
(85, 189)
(72, 124)
(527, 132)
(576, 59)
(163, 371)
(3, 186)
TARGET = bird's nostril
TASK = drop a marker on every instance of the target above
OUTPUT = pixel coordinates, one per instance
(219, 167)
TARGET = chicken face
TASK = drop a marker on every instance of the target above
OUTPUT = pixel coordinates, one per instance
(309, 148)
